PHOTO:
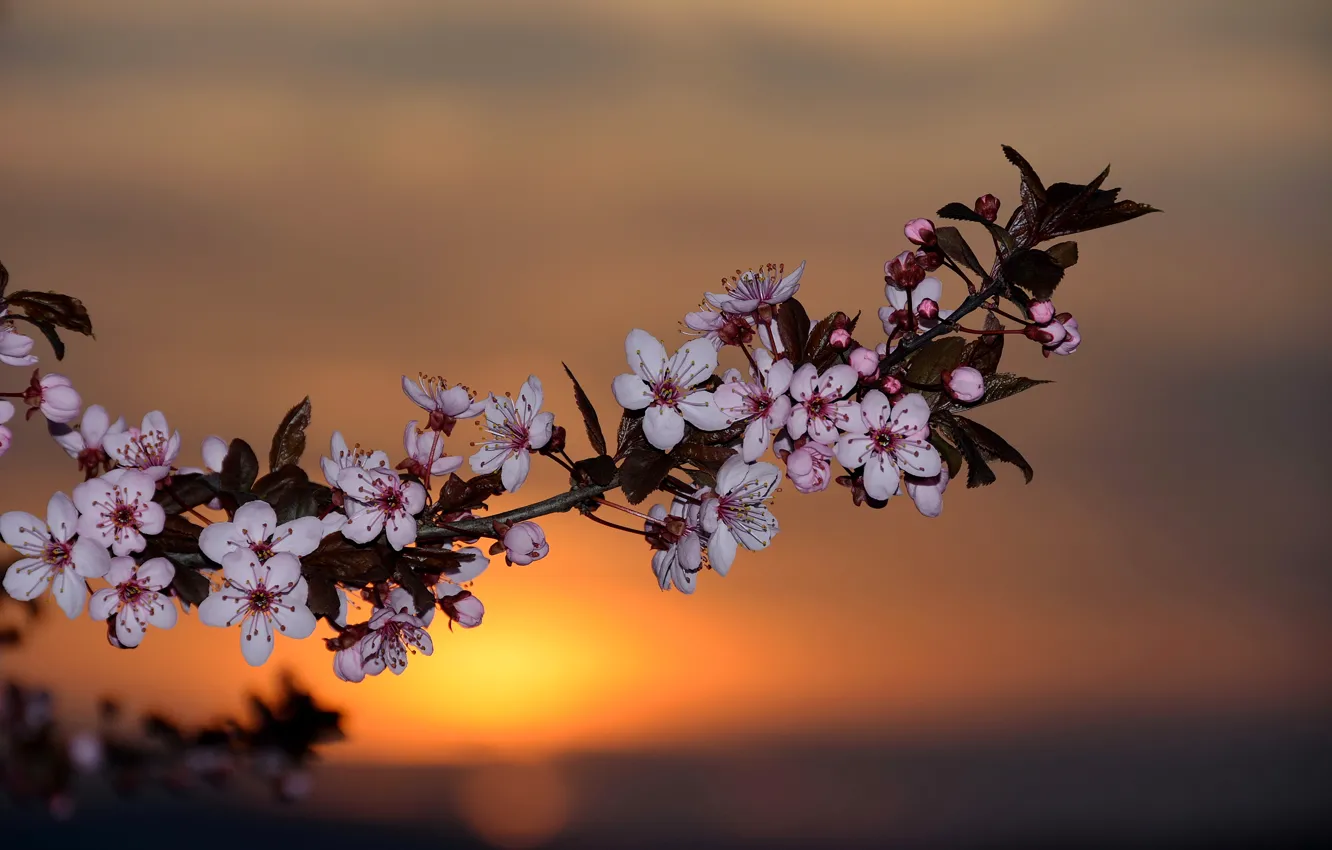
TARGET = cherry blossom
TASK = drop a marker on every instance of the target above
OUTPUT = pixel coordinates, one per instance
(987, 206)
(344, 458)
(663, 388)
(52, 556)
(445, 404)
(151, 448)
(819, 409)
(455, 600)
(925, 298)
(136, 600)
(514, 430)
(378, 500)
(84, 443)
(255, 527)
(425, 453)
(259, 595)
(865, 361)
(762, 401)
(920, 231)
(117, 510)
(720, 329)
(737, 513)
(964, 383)
(54, 395)
(349, 663)
(525, 543)
(886, 437)
(751, 290)
(6, 435)
(927, 493)
(679, 555)
(393, 630)
(15, 348)
(1071, 337)
(808, 467)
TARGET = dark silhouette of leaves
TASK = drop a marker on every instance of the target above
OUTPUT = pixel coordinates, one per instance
(289, 439)
(595, 436)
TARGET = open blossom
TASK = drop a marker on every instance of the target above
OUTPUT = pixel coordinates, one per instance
(51, 556)
(255, 527)
(135, 599)
(6, 435)
(151, 448)
(513, 430)
(819, 409)
(927, 493)
(808, 467)
(886, 437)
(348, 458)
(445, 404)
(964, 383)
(525, 543)
(720, 329)
(258, 596)
(762, 401)
(925, 298)
(664, 388)
(54, 395)
(378, 500)
(117, 510)
(15, 348)
(425, 453)
(737, 514)
(676, 535)
(394, 629)
(749, 291)
(85, 442)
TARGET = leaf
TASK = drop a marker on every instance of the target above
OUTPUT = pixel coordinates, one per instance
(962, 212)
(188, 491)
(599, 470)
(1035, 271)
(928, 364)
(1028, 214)
(422, 596)
(630, 433)
(459, 495)
(1115, 214)
(338, 559)
(956, 248)
(984, 352)
(817, 343)
(1065, 254)
(4, 279)
(48, 330)
(289, 439)
(642, 471)
(948, 452)
(64, 311)
(239, 468)
(793, 329)
(979, 473)
(703, 456)
(191, 586)
(432, 561)
(322, 599)
(178, 542)
(590, 420)
(995, 447)
(1001, 385)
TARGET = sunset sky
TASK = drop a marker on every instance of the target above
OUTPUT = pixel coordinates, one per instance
(259, 201)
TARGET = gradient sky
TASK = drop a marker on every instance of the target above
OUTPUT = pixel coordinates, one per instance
(261, 200)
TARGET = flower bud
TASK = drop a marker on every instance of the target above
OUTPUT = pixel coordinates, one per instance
(988, 206)
(865, 361)
(1041, 312)
(735, 331)
(891, 385)
(920, 231)
(904, 270)
(929, 260)
(964, 383)
(928, 308)
(525, 543)
(840, 339)
(54, 395)
(1051, 334)
(464, 609)
(808, 468)
(1071, 340)
(558, 437)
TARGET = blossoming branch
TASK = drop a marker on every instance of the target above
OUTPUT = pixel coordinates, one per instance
(377, 548)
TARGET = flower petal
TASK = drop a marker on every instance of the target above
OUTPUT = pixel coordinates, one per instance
(917, 458)
(912, 412)
(875, 410)
(62, 518)
(256, 520)
(103, 603)
(91, 560)
(514, 471)
(721, 550)
(156, 573)
(70, 592)
(300, 537)
(702, 411)
(663, 426)
(24, 532)
(802, 382)
(294, 621)
(852, 450)
(221, 608)
(256, 637)
(631, 392)
(881, 478)
(645, 354)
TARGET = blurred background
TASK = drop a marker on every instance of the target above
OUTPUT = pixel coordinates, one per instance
(263, 200)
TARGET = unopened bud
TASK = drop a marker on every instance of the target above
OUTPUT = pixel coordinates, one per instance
(891, 385)
(840, 339)
(929, 259)
(865, 361)
(558, 437)
(1041, 312)
(964, 383)
(904, 270)
(928, 309)
(988, 206)
(920, 231)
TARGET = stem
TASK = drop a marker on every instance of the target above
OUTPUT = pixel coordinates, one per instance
(989, 333)
(484, 526)
(615, 526)
(1007, 315)
(976, 299)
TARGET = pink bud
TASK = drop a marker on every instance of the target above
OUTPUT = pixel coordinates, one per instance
(348, 664)
(808, 468)
(928, 308)
(1072, 338)
(525, 543)
(1047, 335)
(964, 383)
(929, 260)
(904, 270)
(467, 611)
(839, 339)
(920, 231)
(891, 385)
(988, 206)
(865, 361)
(56, 397)
(1041, 312)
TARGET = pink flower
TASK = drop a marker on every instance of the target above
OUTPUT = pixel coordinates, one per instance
(920, 231)
(151, 448)
(136, 600)
(85, 443)
(679, 555)
(1041, 312)
(1071, 336)
(15, 348)
(6, 435)
(255, 527)
(762, 402)
(393, 630)
(344, 458)
(425, 453)
(378, 500)
(819, 409)
(514, 430)
(51, 556)
(445, 404)
(808, 467)
(349, 664)
(886, 437)
(927, 493)
(720, 329)
(737, 513)
(259, 595)
(525, 543)
(117, 510)
(54, 396)
(924, 299)
(750, 290)
(663, 388)
(964, 383)
(865, 361)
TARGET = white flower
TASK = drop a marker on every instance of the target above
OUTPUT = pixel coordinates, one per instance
(6, 435)
(136, 599)
(259, 595)
(255, 527)
(751, 290)
(15, 348)
(679, 562)
(151, 448)
(886, 437)
(85, 443)
(924, 297)
(393, 629)
(117, 510)
(444, 403)
(51, 556)
(927, 493)
(819, 409)
(378, 499)
(425, 453)
(663, 388)
(345, 458)
(762, 401)
(514, 431)
(736, 513)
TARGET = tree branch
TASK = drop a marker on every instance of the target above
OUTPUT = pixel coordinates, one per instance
(485, 525)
